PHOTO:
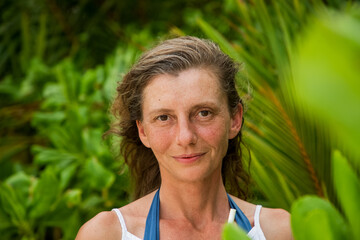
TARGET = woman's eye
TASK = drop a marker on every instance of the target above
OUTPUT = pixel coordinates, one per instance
(163, 118)
(204, 113)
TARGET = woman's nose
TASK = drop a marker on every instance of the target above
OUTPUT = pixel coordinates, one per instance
(186, 134)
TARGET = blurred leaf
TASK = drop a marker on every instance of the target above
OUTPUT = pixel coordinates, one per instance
(11, 204)
(328, 60)
(92, 141)
(71, 225)
(46, 193)
(46, 118)
(347, 186)
(5, 221)
(61, 136)
(233, 232)
(21, 182)
(64, 217)
(219, 39)
(69, 80)
(44, 156)
(97, 175)
(73, 197)
(264, 179)
(315, 218)
(54, 97)
(67, 174)
(91, 202)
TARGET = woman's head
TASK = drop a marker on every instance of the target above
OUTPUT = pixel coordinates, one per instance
(173, 57)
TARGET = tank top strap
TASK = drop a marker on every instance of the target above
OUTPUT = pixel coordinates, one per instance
(122, 222)
(257, 216)
(152, 220)
(240, 217)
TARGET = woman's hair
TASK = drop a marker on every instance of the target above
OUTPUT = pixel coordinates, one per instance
(172, 57)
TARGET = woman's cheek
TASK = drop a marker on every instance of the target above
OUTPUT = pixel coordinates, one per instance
(161, 139)
(213, 133)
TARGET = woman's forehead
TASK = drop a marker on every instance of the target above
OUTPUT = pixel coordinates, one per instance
(188, 86)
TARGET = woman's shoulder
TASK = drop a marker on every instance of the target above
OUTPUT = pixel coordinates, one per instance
(106, 225)
(274, 222)
(135, 214)
(103, 226)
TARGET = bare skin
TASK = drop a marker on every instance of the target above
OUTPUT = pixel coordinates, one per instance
(275, 223)
(187, 124)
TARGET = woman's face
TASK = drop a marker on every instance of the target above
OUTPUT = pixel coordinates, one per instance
(187, 124)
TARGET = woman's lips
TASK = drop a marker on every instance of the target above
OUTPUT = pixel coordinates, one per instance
(188, 158)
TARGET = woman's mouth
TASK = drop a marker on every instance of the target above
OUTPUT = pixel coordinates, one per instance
(188, 158)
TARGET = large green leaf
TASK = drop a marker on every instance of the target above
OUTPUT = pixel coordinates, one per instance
(327, 75)
(233, 232)
(314, 218)
(347, 186)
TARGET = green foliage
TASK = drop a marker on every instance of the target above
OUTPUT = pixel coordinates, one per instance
(315, 218)
(318, 66)
(87, 31)
(73, 172)
(233, 232)
(328, 58)
(347, 185)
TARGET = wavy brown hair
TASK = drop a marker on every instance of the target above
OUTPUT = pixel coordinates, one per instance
(171, 57)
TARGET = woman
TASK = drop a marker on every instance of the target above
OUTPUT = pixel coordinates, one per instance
(180, 117)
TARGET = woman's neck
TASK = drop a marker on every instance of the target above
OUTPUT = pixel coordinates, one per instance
(198, 203)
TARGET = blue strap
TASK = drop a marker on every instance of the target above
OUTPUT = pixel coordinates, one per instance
(240, 217)
(152, 220)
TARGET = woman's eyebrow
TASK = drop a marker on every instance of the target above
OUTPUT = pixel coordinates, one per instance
(196, 106)
(160, 110)
(206, 104)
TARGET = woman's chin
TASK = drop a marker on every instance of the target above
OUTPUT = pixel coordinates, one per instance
(195, 174)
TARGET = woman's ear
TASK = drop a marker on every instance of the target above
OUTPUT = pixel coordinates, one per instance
(236, 122)
(142, 134)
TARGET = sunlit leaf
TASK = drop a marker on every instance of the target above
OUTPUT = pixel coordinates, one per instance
(233, 232)
(347, 186)
(315, 218)
(328, 60)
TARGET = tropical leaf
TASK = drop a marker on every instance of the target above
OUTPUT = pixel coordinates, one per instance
(335, 72)
(233, 232)
(347, 186)
(315, 218)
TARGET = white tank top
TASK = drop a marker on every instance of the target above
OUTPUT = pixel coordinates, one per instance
(255, 233)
